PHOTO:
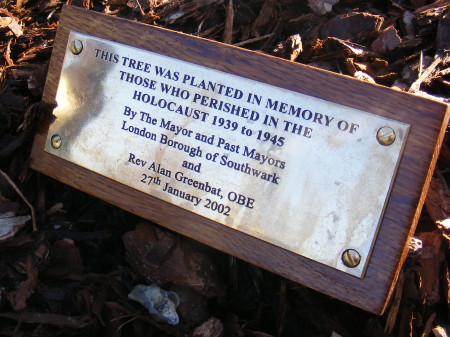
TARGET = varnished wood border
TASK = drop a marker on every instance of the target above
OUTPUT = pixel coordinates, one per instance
(428, 120)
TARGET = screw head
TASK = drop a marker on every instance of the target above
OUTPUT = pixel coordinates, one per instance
(386, 136)
(76, 47)
(56, 141)
(351, 258)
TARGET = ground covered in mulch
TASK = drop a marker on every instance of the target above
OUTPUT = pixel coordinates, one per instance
(68, 261)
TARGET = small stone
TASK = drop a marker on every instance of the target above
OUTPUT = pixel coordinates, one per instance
(415, 245)
(387, 41)
(364, 77)
(289, 49)
(322, 7)
(160, 304)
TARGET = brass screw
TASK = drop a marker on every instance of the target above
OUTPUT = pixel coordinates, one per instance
(386, 136)
(76, 47)
(351, 258)
(56, 141)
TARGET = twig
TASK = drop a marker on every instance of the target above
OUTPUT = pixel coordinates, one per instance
(426, 75)
(420, 64)
(129, 321)
(253, 40)
(14, 186)
(445, 72)
(395, 305)
(8, 53)
(17, 328)
(228, 29)
(428, 325)
(140, 8)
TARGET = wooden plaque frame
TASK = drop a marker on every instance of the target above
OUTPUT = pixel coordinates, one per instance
(428, 120)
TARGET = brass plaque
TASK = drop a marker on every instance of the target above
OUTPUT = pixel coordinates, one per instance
(305, 174)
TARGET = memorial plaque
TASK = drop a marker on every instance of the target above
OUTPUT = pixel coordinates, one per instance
(281, 166)
(312, 175)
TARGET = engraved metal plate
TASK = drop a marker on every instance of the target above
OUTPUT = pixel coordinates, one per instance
(301, 173)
